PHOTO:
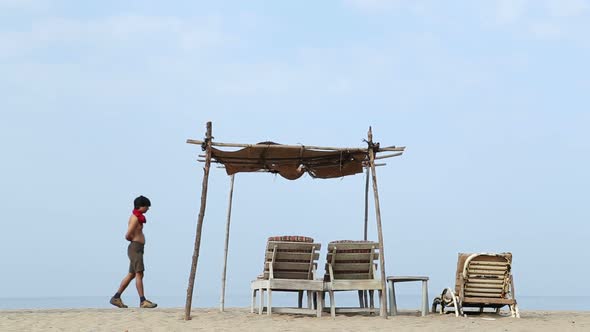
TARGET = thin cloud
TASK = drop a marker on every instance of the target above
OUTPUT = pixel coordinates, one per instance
(374, 5)
(510, 11)
(567, 8)
(24, 4)
(114, 33)
(543, 19)
(545, 30)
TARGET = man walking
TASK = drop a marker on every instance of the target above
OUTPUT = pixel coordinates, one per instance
(135, 252)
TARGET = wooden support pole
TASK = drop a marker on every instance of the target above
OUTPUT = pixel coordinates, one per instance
(297, 158)
(363, 294)
(266, 170)
(282, 146)
(389, 155)
(223, 275)
(191, 279)
(383, 304)
(367, 205)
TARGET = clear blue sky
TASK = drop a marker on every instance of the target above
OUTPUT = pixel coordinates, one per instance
(97, 99)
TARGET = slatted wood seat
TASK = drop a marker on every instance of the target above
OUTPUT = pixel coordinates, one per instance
(482, 281)
(290, 267)
(351, 266)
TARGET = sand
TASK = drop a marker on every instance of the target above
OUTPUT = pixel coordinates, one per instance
(240, 319)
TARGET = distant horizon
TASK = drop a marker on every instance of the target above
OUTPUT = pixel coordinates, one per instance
(98, 99)
(404, 301)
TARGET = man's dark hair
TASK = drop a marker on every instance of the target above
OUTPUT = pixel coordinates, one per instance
(141, 201)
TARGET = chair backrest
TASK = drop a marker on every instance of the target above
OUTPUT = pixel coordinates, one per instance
(483, 275)
(352, 260)
(291, 260)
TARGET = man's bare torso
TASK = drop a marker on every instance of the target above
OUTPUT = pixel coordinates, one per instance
(135, 231)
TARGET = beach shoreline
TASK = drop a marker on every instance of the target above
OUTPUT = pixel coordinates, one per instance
(171, 319)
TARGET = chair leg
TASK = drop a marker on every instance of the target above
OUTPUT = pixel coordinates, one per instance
(261, 306)
(457, 306)
(372, 300)
(435, 303)
(514, 311)
(361, 299)
(253, 301)
(456, 302)
(317, 302)
(332, 305)
(380, 294)
(269, 301)
(392, 300)
(300, 299)
(424, 298)
(309, 299)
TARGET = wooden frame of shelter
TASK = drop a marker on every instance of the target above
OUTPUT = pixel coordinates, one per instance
(291, 162)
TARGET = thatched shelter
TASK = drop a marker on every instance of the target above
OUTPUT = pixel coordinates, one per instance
(291, 162)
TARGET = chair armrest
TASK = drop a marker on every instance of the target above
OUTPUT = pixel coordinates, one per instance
(331, 271)
(461, 295)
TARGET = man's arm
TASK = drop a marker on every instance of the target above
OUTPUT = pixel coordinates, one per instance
(133, 223)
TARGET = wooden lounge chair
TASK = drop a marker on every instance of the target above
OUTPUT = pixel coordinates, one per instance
(482, 281)
(351, 266)
(291, 267)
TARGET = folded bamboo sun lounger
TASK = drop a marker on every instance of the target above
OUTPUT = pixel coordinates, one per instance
(482, 280)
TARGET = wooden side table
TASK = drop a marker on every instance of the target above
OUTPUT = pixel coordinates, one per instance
(391, 280)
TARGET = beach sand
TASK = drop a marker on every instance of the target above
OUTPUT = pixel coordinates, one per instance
(240, 319)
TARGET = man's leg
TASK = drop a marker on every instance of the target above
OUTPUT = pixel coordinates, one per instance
(125, 282)
(139, 283)
(142, 301)
(116, 299)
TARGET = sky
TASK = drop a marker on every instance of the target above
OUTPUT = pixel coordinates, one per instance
(97, 100)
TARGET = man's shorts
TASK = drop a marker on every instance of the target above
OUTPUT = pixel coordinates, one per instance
(135, 253)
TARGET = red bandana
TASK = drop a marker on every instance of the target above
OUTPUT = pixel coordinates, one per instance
(139, 216)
